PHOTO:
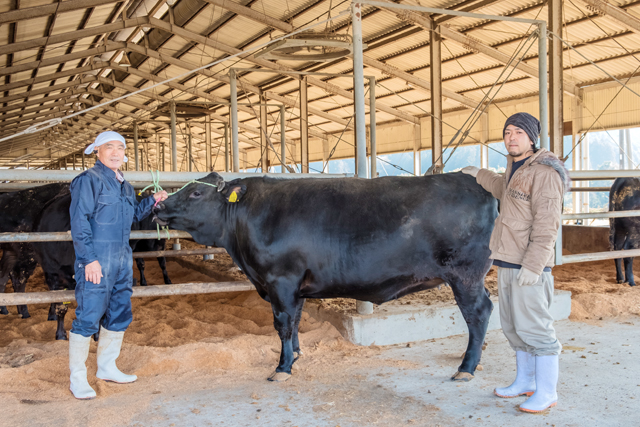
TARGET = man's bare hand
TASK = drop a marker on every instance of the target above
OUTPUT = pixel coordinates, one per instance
(160, 196)
(93, 272)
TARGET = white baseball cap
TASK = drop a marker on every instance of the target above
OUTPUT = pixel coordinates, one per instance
(103, 138)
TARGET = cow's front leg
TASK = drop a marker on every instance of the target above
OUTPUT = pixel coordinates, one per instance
(476, 307)
(61, 312)
(162, 262)
(140, 264)
(284, 304)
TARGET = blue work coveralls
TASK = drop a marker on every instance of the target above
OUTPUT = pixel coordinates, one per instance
(102, 211)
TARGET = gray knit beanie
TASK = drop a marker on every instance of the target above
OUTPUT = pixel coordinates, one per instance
(527, 123)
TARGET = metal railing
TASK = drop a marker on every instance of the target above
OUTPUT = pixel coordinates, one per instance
(22, 179)
(596, 256)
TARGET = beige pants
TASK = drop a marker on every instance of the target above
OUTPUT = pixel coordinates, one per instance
(524, 313)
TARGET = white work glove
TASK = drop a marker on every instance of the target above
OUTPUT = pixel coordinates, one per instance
(527, 277)
(471, 170)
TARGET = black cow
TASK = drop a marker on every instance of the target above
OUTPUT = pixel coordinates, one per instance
(372, 240)
(624, 233)
(148, 245)
(57, 258)
(18, 211)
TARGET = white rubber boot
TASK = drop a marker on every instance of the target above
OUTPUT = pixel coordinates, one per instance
(109, 345)
(525, 382)
(78, 352)
(546, 395)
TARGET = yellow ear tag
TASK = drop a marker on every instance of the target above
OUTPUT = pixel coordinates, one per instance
(233, 197)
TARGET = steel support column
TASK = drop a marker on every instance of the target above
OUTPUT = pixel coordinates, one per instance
(556, 117)
(542, 85)
(207, 139)
(189, 150)
(174, 142)
(135, 145)
(362, 307)
(304, 126)
(283, 139)
(372, 126)
(264, 144)
(435, 68)
(484, 148)
(233, 84)
(227, 147)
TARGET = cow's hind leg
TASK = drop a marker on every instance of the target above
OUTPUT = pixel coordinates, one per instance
(475, 305)
(296, 323)
(618, 244)
(628, 262)
(284, 304)
(3, 283)
(20, 285)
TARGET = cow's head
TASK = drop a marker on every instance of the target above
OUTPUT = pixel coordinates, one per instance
(200, 208)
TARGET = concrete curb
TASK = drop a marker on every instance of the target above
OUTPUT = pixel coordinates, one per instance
(402, 324)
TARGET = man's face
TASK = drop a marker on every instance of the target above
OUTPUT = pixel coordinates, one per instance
(111, 154)
(517, 142)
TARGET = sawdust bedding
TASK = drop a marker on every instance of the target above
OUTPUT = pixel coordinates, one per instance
(172, 338)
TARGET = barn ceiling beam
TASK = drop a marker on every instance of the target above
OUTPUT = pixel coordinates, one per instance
(50, 9)
(38, 101)
(247, 12)
(471, 43)
(329, 87)
(616, 13)
(28, 66)
(183, 88)
(73, 35)
(49, 89)
(244, 84)
(55, 76)
(421, 84)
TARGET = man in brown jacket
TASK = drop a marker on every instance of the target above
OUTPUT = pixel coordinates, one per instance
(522, 247)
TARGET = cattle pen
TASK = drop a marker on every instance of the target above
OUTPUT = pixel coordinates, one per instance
(317, 89)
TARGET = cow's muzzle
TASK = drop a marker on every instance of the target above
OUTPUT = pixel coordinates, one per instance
(159, 221)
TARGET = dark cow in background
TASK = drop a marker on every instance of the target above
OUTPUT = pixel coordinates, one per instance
(372, 240)
(18, 211)
(624, 233)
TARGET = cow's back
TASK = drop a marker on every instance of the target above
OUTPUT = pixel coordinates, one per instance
(20, 208)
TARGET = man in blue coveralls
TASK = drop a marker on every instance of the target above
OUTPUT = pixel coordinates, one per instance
(103, 207)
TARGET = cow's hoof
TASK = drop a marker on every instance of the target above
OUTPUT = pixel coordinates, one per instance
(620, 281)
(297, 355)
(61, 337)
(479, 368)
(279, 377)
(632, 284)
(3, 310)
(25, 315)
(462, 376)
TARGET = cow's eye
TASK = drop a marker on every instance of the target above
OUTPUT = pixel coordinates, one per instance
(195, 195)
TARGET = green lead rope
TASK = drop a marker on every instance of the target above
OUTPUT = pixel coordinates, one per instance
(155, 184)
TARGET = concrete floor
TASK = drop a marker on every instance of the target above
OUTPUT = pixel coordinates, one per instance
(599, 386)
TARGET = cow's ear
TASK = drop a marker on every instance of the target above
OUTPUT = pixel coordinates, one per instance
(233, 191)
